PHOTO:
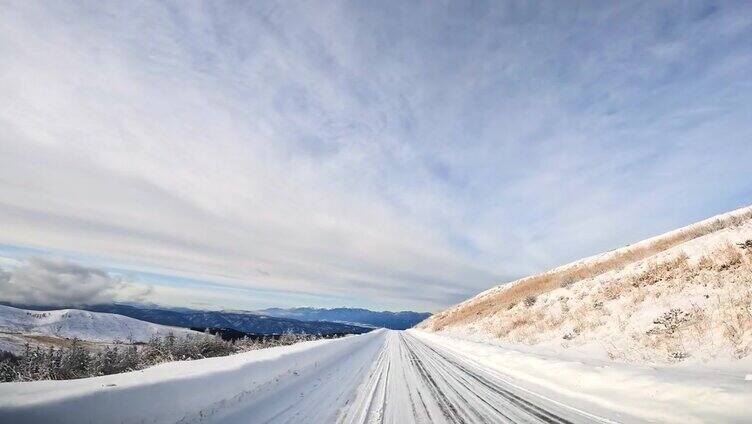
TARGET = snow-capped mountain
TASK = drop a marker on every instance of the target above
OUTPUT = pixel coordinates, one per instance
(386, 319)
(85, 325)
(248, 322)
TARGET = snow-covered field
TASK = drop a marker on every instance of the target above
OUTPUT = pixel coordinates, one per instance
(383, 376)
(90, 326)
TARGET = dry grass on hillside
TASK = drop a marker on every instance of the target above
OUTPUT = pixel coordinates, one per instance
(662, 311)
(527, 289)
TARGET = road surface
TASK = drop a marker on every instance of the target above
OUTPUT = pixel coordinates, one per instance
(396, 379)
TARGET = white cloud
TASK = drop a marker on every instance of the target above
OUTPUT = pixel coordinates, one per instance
(59, 283)
(410, 159)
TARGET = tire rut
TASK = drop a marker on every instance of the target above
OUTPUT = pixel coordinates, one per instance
(530, 408)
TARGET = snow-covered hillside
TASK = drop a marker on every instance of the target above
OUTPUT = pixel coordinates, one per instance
(684, 296)
(91, 326)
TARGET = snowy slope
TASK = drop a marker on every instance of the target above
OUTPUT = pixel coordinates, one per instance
(684, 296)
(92, 326)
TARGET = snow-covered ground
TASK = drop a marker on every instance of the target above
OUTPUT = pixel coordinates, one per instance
(90, 326)
(388, 377)
(306, 382)
(415, 380)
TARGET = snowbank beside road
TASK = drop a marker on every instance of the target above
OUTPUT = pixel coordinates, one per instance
(657, 394)
(177, 391)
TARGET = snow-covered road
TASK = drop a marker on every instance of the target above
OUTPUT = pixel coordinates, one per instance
(403, 381)
(416, 382)
(396, 377)
(382, 377)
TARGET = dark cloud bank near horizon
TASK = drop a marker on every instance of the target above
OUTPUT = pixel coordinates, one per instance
(51, 282)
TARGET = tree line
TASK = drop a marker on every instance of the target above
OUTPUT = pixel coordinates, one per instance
(79, 361)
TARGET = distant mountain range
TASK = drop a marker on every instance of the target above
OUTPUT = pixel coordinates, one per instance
(246, 322)
(267, 321)
(394, 320)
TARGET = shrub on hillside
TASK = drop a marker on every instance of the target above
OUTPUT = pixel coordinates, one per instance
(530, 301)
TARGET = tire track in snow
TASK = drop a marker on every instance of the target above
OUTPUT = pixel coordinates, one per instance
(463, 376)
(414, 382)
(302, 394)
(500, 413)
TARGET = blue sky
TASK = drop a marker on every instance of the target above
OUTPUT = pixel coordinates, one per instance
(390, 155)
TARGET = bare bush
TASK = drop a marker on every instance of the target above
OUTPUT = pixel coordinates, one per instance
(737, 322)
(730, 256)
(659, 271)
(745, 245)
(568, 282)
(705, 263)
(571, 335)
(530, 301)
(670, 321)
